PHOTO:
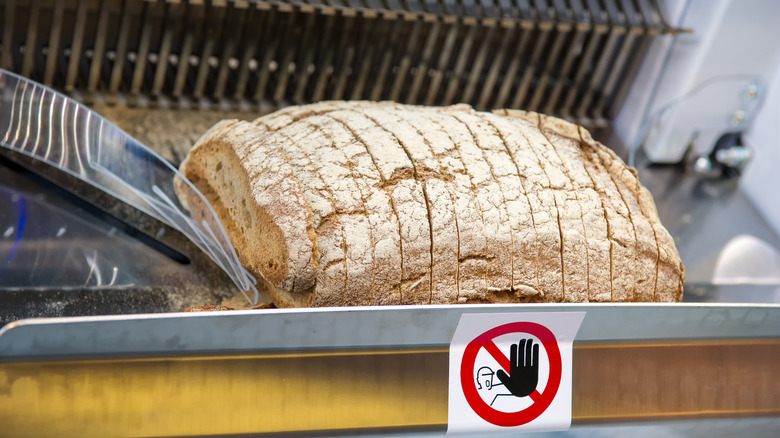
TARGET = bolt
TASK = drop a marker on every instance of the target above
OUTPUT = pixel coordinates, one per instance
(736, 156)
(738, 118)
(702, 165)
(751, 92)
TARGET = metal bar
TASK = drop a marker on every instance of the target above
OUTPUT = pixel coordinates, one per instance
(215, 17)
(565, 79)
(405, 60)
(142, 52)
(295, 44)
(121, 47)
(460, 64)
(488, 8)
(583, 69)
(255, 33)
(54, 44)
(308, 66)
(76, 45)
(30, 41)
(443, 61)
(365, 56)
(604, 61)
(423, 65)
(341, 68)
(384, 67)
(370, 389)
(496, 65)
(193, 26)
(478, 65)
(563, 30)
(100, 45)
(433, 6)
(8, 34)
(229, 45)
(270, 53)
(514, 65)
(171, 28)
(641, 47)
(452, 7)
(617, 73)
(324, 62)
(546, 76)
(651, 18)
(540, 43)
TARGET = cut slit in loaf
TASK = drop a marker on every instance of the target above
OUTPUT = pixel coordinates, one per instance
(361, 203)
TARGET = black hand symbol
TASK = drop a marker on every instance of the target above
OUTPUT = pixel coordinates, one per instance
(523, 369)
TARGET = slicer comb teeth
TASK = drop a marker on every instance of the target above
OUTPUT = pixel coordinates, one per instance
(574, 59)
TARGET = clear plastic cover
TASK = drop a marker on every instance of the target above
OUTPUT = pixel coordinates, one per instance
(701, 116)
(46, 125)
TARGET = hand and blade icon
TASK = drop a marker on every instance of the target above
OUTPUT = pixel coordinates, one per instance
(523, 369)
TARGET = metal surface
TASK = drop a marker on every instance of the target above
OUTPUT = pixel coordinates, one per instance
(363, 327)
(374, 390)
(704, 215)
(578, 58)
(310, 371)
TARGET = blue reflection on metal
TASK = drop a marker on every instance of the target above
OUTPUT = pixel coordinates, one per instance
(21, 206)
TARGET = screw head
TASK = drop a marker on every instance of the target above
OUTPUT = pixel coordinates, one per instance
(702, 165)
(751, 92)
(738, 118)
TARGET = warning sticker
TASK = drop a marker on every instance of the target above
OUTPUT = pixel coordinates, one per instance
(512, 371)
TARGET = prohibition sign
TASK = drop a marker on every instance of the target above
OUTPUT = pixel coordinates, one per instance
(541, 401)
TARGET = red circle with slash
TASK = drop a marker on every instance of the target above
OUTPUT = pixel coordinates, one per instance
(541, 401)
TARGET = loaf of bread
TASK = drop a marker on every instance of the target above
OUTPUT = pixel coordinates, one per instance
(361, 203)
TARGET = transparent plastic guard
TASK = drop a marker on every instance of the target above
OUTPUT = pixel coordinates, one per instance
(702, 114)
(44, 124)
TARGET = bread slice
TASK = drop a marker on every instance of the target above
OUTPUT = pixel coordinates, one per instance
(517, 225)
(541, 199)
(383, 222)
(326, 208)
(670, 272)
(436, 182)
(252, 188)
(408, 201)
(566, 169)
(333, 167)
(472, 238)
(657, 271)
(596, 243)
(498, 252)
